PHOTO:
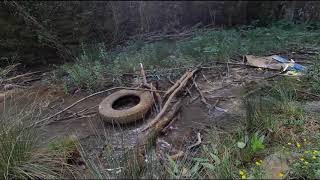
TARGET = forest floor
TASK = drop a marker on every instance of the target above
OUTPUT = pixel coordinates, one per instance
(249, 119)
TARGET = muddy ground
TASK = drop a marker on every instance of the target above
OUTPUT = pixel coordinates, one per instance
(223, 87)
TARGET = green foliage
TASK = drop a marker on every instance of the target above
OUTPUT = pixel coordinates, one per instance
(258, 114)
(306, 162)
(286, 101)
(219, 158)
(94, 62)
(218, 45)
(84, 75)
(251, 145)
(313, 75)
(88, 72)
(20, 154)
(256, 143)
(154, 55)
(64, 146)
(310, 170)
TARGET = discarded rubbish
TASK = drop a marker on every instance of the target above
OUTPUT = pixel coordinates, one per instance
(295, 66)
(263, 62)
(274, 62)
(293, 73)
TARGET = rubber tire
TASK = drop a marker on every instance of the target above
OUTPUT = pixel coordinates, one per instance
(125, 116)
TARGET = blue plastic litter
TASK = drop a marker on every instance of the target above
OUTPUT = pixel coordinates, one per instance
(297, 67)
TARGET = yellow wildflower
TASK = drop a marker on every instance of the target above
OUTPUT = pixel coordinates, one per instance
(243, 177)
(298, 145)
(241, 172)
(280, 174)
(306, 162)
(315, 152)
(258, 163)
(306, 152)
(302, 159)
(314, 157)
(289, 143)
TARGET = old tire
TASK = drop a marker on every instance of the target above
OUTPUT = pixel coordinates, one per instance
(109, 114)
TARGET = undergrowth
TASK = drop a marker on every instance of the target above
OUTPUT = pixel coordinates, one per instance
(21, 155)
(313, 75)
(94, 62)
(275, 120)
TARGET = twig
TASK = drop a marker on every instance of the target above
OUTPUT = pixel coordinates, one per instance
(208, 91)
(203, 99)
(30, 80)
(9, 68)
(194, 99)
(197, 143)
(158, 97)
(170, 81)
(144, 78)
(94, 94)
(22, 75)
(75, 115)
(11, 86)
(145, 83)
(205, 78)
(216, 103)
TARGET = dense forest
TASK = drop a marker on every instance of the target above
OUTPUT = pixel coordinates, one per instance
(39, 32)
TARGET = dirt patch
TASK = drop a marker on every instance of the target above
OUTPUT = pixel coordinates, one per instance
(222, 87)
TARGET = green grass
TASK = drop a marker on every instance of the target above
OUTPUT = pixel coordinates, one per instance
(94, 62)
(313, 75)
(21, 155)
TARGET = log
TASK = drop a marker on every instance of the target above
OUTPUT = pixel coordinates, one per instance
(147, 138)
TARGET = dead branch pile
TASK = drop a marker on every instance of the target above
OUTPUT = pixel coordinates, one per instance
(149, 133)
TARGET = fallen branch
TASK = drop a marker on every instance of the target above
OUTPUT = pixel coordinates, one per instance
(168, 102)
(197, 143)
(170, 81)
(76, 115)
(143, 74)
(11, 86)
(178, 82)
(203, 99)
(9, 69)
(150, 86)
(146, 138)
(22, 75)
(87, 97)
